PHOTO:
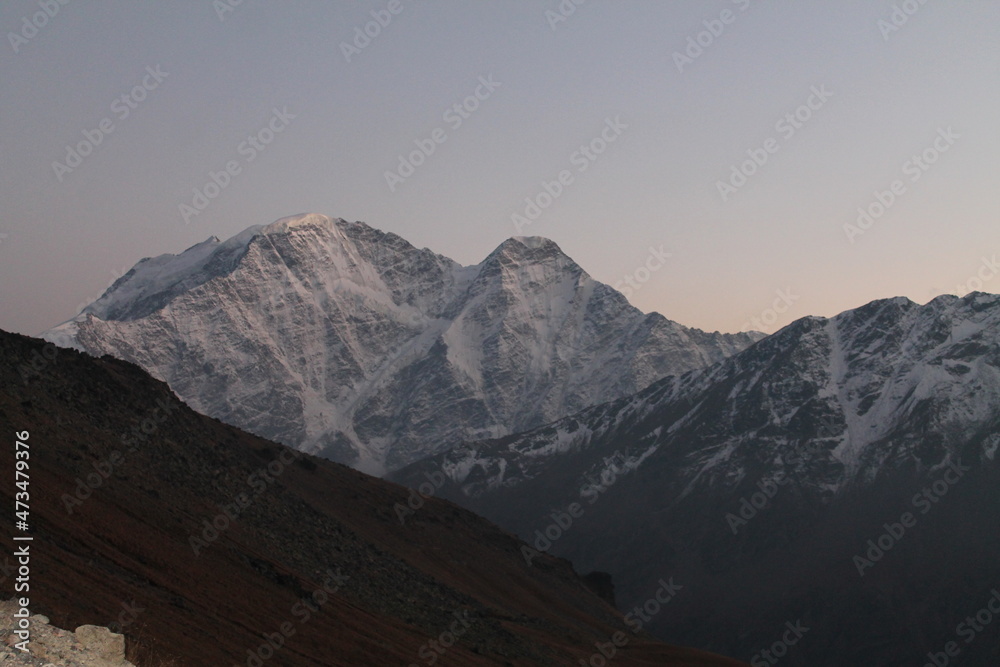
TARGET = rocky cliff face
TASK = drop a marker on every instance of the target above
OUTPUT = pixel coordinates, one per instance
(345, 341)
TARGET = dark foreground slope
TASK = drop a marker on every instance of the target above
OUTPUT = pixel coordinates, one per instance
(125, 486)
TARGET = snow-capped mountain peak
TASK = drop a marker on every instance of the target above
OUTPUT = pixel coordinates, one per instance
(283, 225)
(338, 338)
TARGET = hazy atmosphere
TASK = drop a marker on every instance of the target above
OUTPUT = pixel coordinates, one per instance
(738, 137)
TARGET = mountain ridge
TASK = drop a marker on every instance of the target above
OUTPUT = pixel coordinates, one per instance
(831, 426)
(340, 339)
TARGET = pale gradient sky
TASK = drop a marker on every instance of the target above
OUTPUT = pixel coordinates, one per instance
(63, 242)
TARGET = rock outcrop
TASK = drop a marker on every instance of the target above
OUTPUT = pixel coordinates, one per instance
(48, 646)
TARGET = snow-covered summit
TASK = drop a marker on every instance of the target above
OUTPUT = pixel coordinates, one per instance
(153, 281)
(338, 338)
(290, 222)
(533, 242)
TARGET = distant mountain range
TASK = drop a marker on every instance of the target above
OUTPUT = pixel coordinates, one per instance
(824, 496)
(348, 342)
(842, 472)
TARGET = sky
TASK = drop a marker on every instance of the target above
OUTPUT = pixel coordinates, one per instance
(731, 164)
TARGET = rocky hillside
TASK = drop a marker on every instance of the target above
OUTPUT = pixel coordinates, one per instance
(206, 545)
